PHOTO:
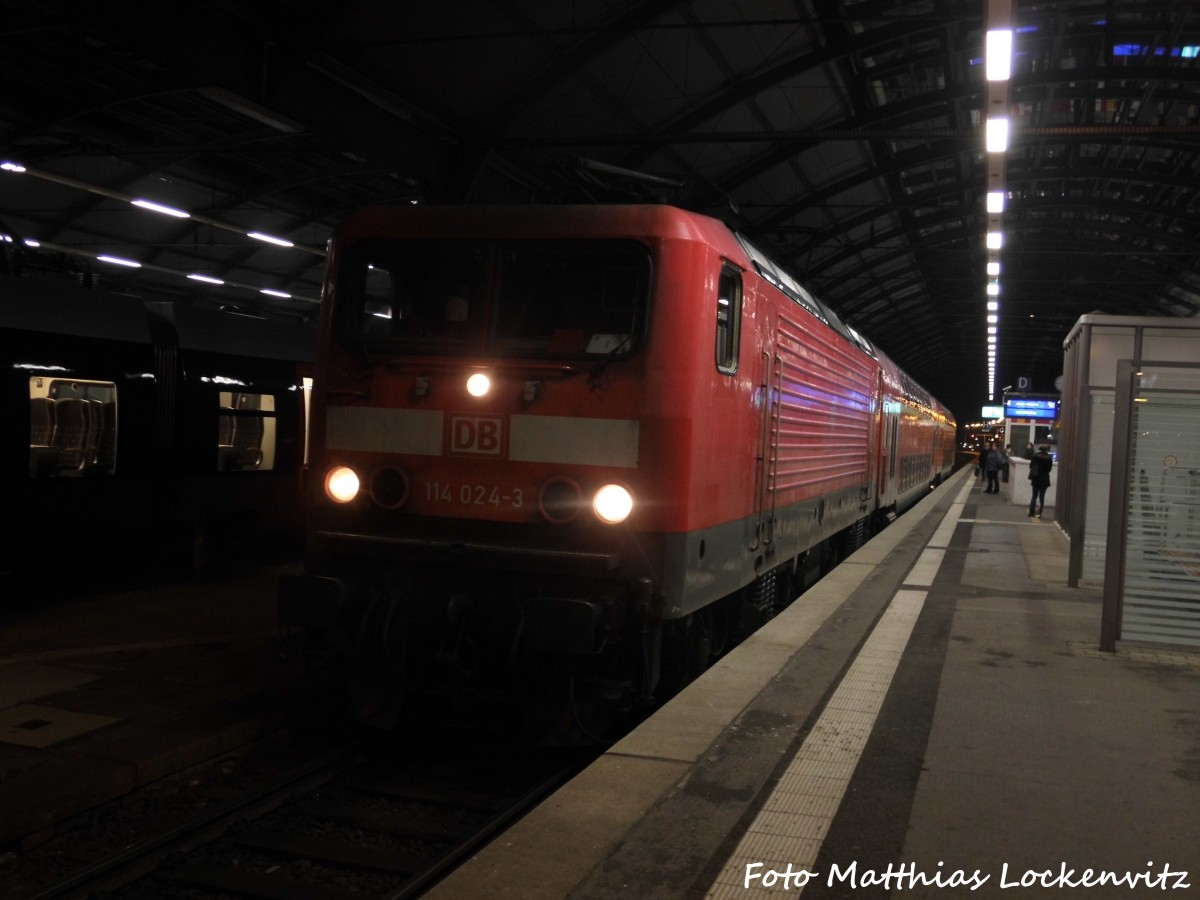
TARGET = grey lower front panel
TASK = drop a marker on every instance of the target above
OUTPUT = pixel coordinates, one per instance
(686, 570)
(708, 564)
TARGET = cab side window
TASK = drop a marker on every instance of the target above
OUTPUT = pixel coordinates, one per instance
(729, 318)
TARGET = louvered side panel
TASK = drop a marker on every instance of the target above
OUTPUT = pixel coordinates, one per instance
(822, 426)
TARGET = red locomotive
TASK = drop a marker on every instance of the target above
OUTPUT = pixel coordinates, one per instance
(572, 454)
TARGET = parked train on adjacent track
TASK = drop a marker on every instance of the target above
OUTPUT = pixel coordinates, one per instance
(570, 455)
(145, 435)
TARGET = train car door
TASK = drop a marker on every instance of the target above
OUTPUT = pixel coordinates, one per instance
(872, 488)
(768, 440)
(890, 449)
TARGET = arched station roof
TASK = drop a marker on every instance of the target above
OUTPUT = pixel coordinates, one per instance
(846, 137)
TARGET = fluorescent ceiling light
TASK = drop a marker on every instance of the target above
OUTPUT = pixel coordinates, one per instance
(252, 110)
(992, 320)
(995, 201)
(997, 134)
(993, 289)
(998, 53)
(159, 208)
(205, 278)
(12, 167)
(995, 239)
(275, 293)
(258, 235)
(993, 306)
(116, 260)
(993, 269)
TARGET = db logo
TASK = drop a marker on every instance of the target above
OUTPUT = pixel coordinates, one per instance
(476, 435)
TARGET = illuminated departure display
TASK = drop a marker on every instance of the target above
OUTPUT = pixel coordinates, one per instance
(1030, 408)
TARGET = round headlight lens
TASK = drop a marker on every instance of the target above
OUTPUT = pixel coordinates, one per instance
(560, 500)
(341, 484)
(389, 487)
(612, 504)
(478, 385)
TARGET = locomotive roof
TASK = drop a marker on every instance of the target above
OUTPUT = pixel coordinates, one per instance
(542, 221)
(844, 139)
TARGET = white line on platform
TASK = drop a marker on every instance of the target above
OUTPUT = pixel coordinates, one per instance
(787, 833)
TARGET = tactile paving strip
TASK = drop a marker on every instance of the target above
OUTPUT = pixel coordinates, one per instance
(784, 839)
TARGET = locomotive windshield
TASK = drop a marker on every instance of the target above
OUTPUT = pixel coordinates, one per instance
(557, 299)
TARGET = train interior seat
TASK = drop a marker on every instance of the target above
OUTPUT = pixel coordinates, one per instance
(247, 439)
(226, 452)
(43, 455)
(71, 434)
(239, 443)
(95, 423)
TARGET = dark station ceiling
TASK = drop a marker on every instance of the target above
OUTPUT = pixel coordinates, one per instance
(844, 137)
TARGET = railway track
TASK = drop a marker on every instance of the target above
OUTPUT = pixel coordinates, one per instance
(371, 817)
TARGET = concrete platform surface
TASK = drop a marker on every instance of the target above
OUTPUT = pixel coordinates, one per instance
(934, 719)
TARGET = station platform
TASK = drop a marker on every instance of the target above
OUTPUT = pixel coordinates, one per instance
(932, 719)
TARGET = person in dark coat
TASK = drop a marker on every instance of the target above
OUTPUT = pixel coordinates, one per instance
(993, 461)
(1039, 478)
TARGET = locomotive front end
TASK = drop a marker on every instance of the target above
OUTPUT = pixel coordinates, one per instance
(477, 520)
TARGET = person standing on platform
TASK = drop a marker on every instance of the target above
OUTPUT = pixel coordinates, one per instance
(993, 459)
(1029, 450)
(1039, 478)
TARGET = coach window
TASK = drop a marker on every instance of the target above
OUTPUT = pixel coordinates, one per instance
(729, 316)
(72, 427)
(245, 432)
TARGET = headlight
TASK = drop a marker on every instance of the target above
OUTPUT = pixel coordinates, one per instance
(388, 487)
(560, 500)
(478, 385)
(341, 484)
(612, 504)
